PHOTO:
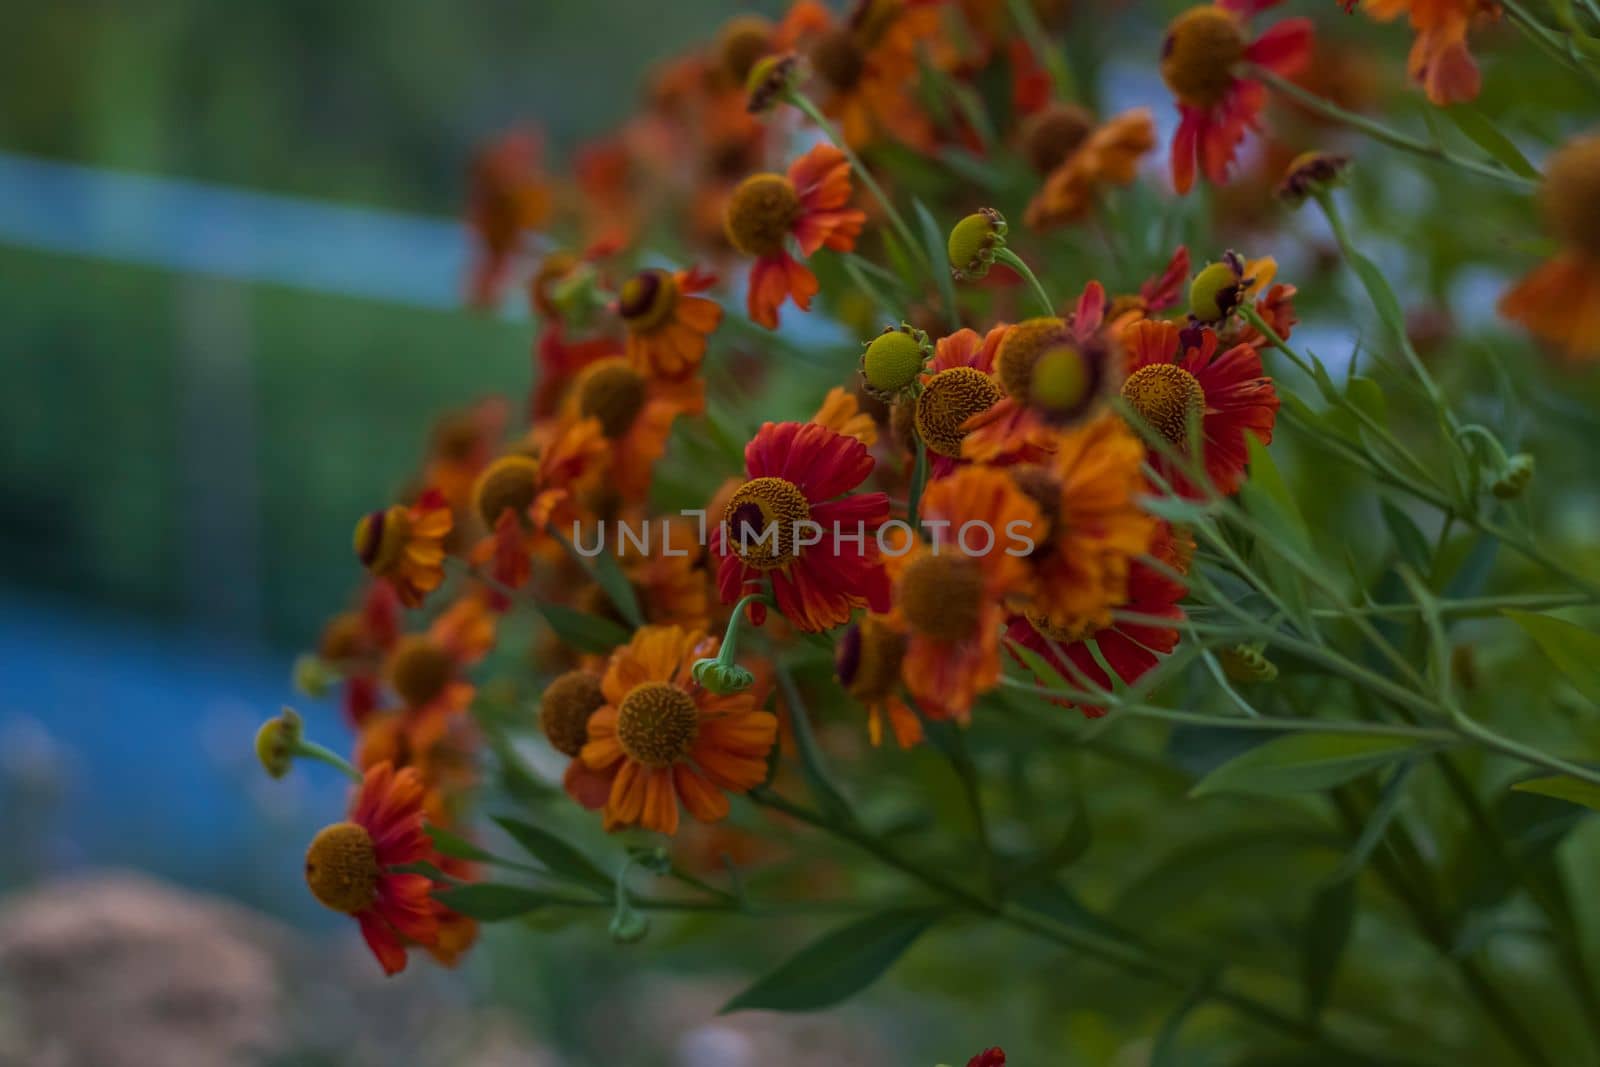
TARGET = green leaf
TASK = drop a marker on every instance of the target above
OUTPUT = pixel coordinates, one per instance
(1483, 133)
(933, 240)
(1574, 650)
(558, 857)
(1367, 395)
(1301, 763)
(1327, 932)
(494, 901)
(456, 847)
(1563, 787)
(1164, 1051)
(1043, 671)
(837, 965)
(1383, 298)
(586, 633)
(1268, 498)
(1408, 540)
(607, 574)
(1067, 850)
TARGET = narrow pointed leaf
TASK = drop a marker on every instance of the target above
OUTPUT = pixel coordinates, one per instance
(586, 633)
(493, 901)
(1563, 787)
(837, 965)
(1301, 763)
(558, 857)
(1574, 650)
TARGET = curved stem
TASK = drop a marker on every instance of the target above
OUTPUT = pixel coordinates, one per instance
(1015, 262)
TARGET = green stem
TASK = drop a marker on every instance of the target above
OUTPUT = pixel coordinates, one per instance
(1014, 261)
(313, 751)
(1383, 134)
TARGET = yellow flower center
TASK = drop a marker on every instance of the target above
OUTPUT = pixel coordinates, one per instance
(744, 40)
(942, 596)
(1079, 630)
(1049, 137)
(419, 670)
(1167, 397)
(380, 538)
(760, 213)
(647, 300)
(892, 361)
(760, 520)
(342, 868)
(564, 710)
(509, 482)
(868, 660)
(1021, 348)
(657, 724)
(1570, 195)
(950, 398)
(613, 392)
(838, 59)
(1203, 46)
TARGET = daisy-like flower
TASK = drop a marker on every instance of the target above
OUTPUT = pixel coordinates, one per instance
(669, 741)
(1079, 159)
(635, 413)
(1093, 528)
(350, 866)
(565, 708)
(508, 195)
(667, 322)
(792, 522)
(1054, 373)
(1560, 301)
(958, 385)
(1200, 58)
(1172, 380)
(1440, 61)
(841, 412)
(353, 642)
(809, 204)
(405, 545)
(1129, 648)
(867, 662)
(950, 596)
(521, 495)
(421, 668)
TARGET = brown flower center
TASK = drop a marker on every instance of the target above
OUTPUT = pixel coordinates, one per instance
(564, 710)
(1049, 137)
(744, 40)
(760, 213)
(380, 538)
(657, 724)
(760, 522)
(1042, 487)
(1570, 196)
(950, 398)
(419, 670)
(613, 392)
(342, 868)
(647, 300)
(1167, 397)
(942, 596)
(868, 660)
(838, 59)
(509, 482)
(1203, 46)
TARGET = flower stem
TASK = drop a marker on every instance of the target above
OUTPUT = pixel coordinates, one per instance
(1014, 261)
(313, 751)
(1384, 134)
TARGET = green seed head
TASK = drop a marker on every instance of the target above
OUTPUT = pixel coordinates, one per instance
(893, 360)
(1214, 292)
(973, 242)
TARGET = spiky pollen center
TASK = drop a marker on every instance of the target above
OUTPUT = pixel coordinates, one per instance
(1051, 136)
(509, 482)
(949, 399)
(342, 868)
(760, 214)
(1201, 50)
(647, 300)
(564, 710)
(657, 724)
(1167, 397)
(419, 669)
(1570, 196)
(613, 392)
(867, 660)
(942, 596)
(380, 537)
(761, 519)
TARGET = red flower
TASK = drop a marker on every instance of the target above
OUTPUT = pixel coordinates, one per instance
(1170, 381)
(809, 205)
(1203, 48)
(792, 522)
(350, 866)
(989, 1057)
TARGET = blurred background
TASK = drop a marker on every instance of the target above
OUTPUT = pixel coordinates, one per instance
(231, 303)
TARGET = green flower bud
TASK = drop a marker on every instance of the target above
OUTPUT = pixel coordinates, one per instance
(973, 242)
(1515, 478)
(722, 678)
(277, 741)
(1214, 292)
(893, 360)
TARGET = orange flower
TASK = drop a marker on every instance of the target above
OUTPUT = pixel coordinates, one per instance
(867, 662)
(667, 324)
(950, 597)
(635, 414)
(841, 412)
(1560, 301)
(667, 740)
(1089, 496)
(350, 866)
(807, 204)
(1099, 157)
(462, 444)
(405, 545)
(958, 386)
(507, 197)
(666, 572)
(1440, 61)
